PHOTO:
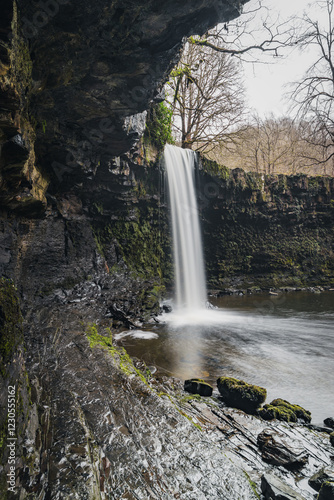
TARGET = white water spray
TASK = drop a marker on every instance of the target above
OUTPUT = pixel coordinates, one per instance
(187, 243)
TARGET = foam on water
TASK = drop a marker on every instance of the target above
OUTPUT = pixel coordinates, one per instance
(136, 334)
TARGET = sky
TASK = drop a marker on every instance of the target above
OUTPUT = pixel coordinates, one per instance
(266, 84)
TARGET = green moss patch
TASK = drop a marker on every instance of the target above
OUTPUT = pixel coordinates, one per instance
(119, 354)
(280, 409)
(10, 320)
(159, 126)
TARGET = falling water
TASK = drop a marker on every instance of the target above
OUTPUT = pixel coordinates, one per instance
(187, 243)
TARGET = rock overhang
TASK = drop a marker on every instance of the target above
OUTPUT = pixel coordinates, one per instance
(92, 66)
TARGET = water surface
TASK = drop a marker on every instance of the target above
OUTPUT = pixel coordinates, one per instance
(284, 343)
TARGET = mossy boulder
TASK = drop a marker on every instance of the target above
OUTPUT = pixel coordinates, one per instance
(280, 409)
(198, 386)
(240, 394)
(270, 412)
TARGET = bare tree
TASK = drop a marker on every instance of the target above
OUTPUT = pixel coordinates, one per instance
(207, 94)
(267, 146)
(207, 98)
(314, 95)
(273, 146)
(252, 34)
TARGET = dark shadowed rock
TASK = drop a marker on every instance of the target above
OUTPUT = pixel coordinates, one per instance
(327, 491)
(239, 394)
(93, 71)
(278, 449)
(329, 422)
(331, 438)
(198, 386)
(273, 488)
(320, 477)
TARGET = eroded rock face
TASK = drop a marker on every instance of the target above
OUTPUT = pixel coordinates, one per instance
(274, 488)
(289, 212)
(278, 449)
(76, 79)
(103, 434)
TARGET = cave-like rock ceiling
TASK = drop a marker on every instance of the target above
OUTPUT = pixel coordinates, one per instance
(93, 64)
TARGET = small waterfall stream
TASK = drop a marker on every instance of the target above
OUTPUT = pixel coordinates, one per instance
(187, 242)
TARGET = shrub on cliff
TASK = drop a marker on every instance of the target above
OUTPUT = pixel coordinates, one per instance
(159, 126)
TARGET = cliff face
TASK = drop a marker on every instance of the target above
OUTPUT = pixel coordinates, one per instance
(267, 231)
(76, 79)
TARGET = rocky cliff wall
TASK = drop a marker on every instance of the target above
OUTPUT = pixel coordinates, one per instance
(267, 231)
(258, 231)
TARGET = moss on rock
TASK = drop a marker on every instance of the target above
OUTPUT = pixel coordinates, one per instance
(270, 412)
(280, 409)
(240, 394)
(10, 321)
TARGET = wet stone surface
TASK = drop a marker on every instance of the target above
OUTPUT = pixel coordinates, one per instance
(96, 430)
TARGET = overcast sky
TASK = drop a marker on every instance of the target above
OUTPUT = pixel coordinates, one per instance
(265, 82)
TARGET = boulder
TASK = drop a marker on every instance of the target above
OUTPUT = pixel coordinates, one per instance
(273, 488)
(320, 477)
(331, 438)
(326, 491)
(239, 394)
(280, 409)
(329, 422)
(278, 449)
(198, 386)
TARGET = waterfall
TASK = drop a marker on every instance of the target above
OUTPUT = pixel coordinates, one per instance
(187, 243)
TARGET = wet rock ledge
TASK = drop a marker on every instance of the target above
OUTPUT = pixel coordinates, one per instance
(100, 425)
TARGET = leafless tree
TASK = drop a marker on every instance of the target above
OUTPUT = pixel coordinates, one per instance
(206, 93)
(205, 89)
(267, 146)
(313, 96)
(274, 146)
(252, 34)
